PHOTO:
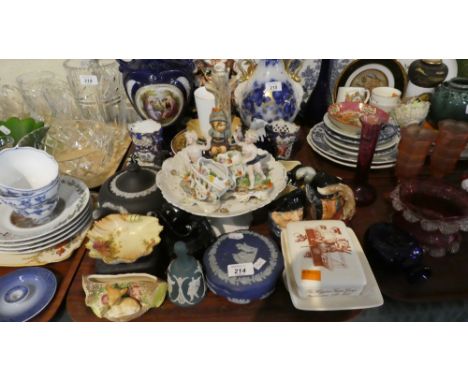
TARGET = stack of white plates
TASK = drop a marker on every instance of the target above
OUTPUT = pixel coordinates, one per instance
(70, 218)
(342, 147)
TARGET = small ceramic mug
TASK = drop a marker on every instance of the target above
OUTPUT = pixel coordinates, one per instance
(352, 94)
(147, 138)
(385, 98)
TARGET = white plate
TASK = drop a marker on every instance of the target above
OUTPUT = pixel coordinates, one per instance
(346, 164)
(354, 145)
(75, 195)
(385, 140)
(49, 244)
(317, 136)
(352, 150)
(169, 182)
(48, 239)
(46, 256)
(46, 236)
(380, 157)
(371, 297)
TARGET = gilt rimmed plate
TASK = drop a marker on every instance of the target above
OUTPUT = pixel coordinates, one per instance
(24, 293)
(371, 74)
(73, 199)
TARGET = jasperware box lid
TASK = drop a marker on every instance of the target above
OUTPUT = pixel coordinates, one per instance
(257, 259)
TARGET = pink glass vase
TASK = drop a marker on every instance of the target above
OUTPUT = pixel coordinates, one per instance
(364, 193)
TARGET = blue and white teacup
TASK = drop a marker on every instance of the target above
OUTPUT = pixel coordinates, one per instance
(29, 182)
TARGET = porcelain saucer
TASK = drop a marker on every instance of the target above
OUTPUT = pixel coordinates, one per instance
(81, 226)
(342, 162)
(319, 140)
(378, 155)
(353, 145)
(24, 293)
(386, 134)
(74, 197)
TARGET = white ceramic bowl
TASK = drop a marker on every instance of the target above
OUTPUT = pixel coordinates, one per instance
(414, 112)
(26, 171)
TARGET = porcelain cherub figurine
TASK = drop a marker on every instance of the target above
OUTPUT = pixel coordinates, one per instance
(193, 150)
(251, 158)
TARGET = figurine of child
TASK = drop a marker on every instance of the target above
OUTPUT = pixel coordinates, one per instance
(218, 132)
(251, 158)
(193, 150)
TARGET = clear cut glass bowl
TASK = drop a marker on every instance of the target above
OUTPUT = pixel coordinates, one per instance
(83, 149)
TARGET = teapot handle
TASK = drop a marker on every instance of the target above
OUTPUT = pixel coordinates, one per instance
(245, 73)
(293, 73)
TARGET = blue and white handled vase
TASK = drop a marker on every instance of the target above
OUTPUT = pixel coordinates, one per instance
(269, 90)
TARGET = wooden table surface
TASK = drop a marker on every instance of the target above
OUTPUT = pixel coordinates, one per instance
(64, 271)
(449, 274)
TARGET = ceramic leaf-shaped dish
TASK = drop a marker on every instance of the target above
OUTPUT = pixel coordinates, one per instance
(123, 238)
(123, 297)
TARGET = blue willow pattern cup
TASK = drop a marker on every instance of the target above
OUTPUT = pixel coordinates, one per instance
(147, 138)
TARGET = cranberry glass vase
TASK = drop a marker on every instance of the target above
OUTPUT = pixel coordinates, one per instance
(365, 193)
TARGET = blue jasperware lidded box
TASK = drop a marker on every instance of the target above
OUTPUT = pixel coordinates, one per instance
(243, 266)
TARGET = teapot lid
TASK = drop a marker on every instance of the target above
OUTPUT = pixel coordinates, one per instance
(135, 181)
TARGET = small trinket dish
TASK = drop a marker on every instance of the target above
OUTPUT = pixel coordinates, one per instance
(123, 238)
(24, 293)
(123, 297)
(243, 266)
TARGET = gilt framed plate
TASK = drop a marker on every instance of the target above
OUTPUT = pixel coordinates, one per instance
(372, 73)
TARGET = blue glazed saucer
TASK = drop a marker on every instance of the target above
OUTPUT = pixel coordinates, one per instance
(25, 292)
